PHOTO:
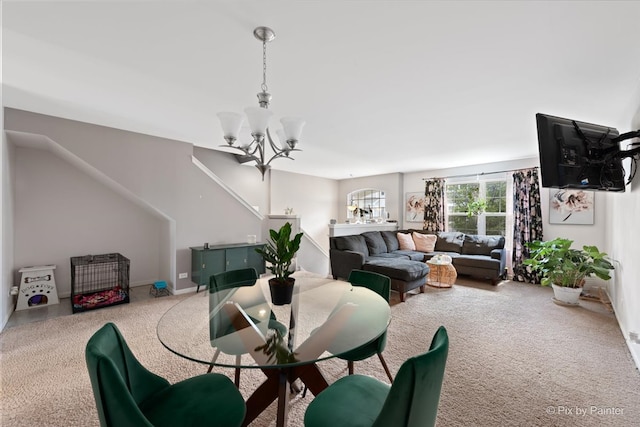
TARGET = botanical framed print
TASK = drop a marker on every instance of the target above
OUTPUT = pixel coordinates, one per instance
(414, 207)
(571, 206)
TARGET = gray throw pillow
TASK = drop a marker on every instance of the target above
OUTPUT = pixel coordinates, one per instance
(449, 241)
(375, 242)
(391, 240)
(481, 245)
(354, 243)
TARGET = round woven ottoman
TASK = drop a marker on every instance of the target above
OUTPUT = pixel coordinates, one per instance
(442, 274)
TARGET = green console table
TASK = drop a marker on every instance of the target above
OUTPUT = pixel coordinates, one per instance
(219, 258)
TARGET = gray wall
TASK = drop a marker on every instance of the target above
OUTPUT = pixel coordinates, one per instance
(243, 180)
(6, 231)
(64, 213)
(154, 170)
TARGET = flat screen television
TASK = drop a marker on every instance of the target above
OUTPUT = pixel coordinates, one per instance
(579, 155)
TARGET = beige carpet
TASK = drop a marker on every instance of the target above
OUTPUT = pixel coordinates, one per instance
(515, 359)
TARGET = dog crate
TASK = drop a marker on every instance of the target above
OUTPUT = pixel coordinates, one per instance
(99, 281)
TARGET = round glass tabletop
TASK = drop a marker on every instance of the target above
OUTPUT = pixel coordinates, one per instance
(239, 327)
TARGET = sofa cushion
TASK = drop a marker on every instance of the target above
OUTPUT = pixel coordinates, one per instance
(450, 241)
(391, 240)
(398, 269)
(375, 242)
(412, 255)
(405, 241)
(476, 261)
(481, 245)
(425, 242)
(354, 243)
(394, 254)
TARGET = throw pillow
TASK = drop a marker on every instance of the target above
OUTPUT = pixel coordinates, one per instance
(405, 242)
(375, 242)
(425, 242)
(391, 240)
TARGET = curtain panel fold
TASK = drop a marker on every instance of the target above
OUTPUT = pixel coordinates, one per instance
(527, 221)
(434, 205)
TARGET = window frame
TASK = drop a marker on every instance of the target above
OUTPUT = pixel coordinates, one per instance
(367, 198)
(481, 222)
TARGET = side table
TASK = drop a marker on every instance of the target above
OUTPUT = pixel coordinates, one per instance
(442, 274)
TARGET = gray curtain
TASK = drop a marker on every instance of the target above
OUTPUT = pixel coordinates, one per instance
(527, 221)
(434, 205)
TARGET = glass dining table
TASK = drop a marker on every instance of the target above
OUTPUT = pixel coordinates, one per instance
(240, 328)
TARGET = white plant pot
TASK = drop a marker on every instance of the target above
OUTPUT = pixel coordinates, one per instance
(566, 295)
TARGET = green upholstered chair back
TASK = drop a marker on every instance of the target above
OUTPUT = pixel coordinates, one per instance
(120, 383)
(414, 396)
(233, 279)
(375, 281)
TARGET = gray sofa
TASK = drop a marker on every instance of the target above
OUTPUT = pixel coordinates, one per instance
(474, 255)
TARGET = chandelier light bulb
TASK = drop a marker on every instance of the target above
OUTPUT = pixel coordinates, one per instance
(258, 119)
(292, 128)
(231, 124)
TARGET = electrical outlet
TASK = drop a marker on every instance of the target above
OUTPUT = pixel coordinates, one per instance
(183, 275)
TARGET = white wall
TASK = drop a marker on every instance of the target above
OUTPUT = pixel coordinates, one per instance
(623, 237)
(414, 182)
(391, 184)
(594, 235)
(311, 198)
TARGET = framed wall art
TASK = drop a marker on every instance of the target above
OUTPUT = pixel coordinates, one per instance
(571, 206)
(414, 207)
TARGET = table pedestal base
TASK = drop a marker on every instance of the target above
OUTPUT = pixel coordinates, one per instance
(276, 386)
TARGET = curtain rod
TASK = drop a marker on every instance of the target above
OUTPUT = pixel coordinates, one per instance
(478, 174)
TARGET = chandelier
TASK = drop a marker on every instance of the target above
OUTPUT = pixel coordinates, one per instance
(258, 118)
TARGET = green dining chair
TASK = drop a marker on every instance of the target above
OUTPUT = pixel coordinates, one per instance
(362, 401)
(229, 280)
(382, 285)
(127, 394)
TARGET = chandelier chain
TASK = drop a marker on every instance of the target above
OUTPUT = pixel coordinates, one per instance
(264, 66)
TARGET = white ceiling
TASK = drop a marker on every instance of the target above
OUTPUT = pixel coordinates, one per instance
(384, 86)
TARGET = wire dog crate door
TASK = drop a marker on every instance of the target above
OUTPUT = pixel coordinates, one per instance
(99, 281)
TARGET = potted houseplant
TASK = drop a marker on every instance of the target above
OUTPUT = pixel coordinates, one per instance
(279, 253)
(564, 268)
(477, 207)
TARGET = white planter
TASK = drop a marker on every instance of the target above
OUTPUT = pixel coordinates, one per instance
(566, 295)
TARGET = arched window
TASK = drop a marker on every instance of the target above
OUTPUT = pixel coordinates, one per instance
(366, 205)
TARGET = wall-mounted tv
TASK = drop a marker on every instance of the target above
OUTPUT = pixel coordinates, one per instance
(581, 155)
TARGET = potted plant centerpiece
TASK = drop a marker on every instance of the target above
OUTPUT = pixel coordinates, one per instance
(564, 268)
(279, 252)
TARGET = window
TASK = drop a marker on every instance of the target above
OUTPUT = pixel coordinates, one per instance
(366, 204)
(459, 199)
